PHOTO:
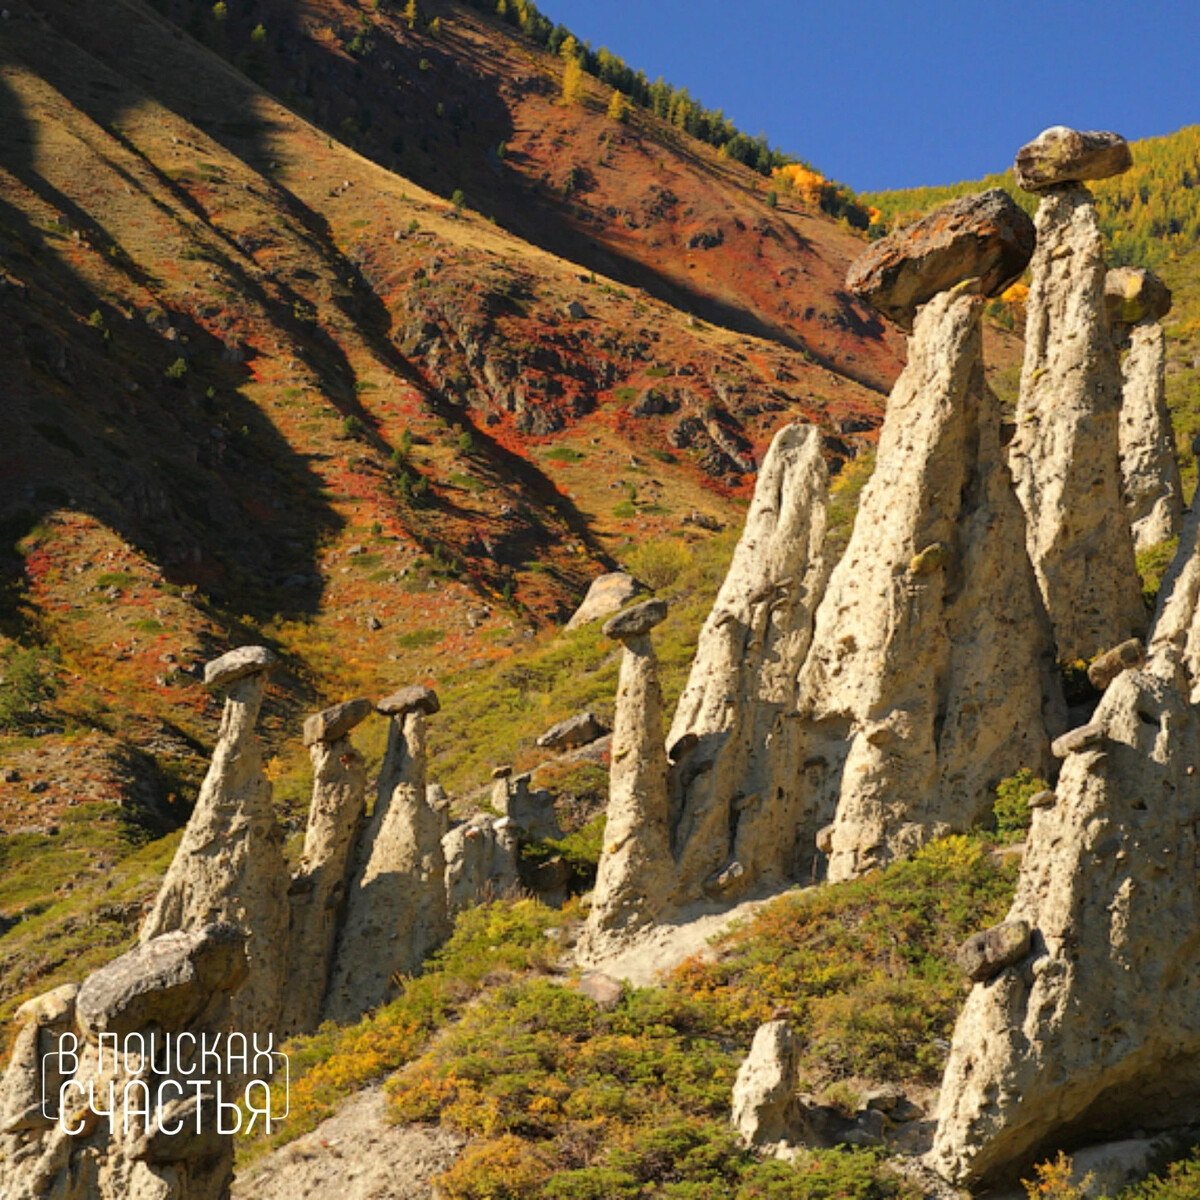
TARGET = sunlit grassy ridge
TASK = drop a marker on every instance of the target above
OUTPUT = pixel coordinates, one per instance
(581, 1102)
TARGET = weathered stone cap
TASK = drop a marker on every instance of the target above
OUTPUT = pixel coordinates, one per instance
(639, 619)
(168, 980)
(410, 699)
(337, 721)
(50, 1008)
(1109, 665)
(1060, 155)
(987, 236)
(1133, 294)
(237, 664)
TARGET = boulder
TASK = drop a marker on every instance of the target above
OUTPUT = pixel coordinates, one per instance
(1064, 454)
(603, 989)
(766, 1109)
(1133, 294)
(1076, 741)
(166, 981)
(986, 237)
(320, 886)
(414, 698)
(735, 792)
(574, 731)
(608, 594)
(1100, 1034)
(932, 672)
(984, 955)
(1110, 664)
(229, 866)
(637, 621)
(1060, 156)
(333, 724)
(1149, 468)
(396, 905)
(237, 664)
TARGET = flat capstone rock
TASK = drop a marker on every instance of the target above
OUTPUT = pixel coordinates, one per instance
(635, 621)
(1059, 156)
(1133, 294)
(413, 698)
(336, 721)
(237, 664)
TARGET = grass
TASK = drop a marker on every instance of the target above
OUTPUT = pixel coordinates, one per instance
(844, 494)
(564, 454)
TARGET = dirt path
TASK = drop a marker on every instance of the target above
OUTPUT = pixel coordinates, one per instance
(354, 1155)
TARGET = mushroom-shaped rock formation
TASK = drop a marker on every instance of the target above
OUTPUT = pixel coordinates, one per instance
(637, 873)
(396, 906)
(230, 865)
(1059, 156)
(178, 983)
(607, 594)
(1096, 1030)
(1136, 299)
(986, 237)
(318, 890)
(1064, 454)
(735, 788)
(931, 674)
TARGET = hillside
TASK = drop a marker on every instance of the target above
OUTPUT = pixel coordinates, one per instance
(265, 388)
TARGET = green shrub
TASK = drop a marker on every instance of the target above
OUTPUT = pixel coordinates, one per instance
(1180, 1181)
(659, 563)
(25, 685)
(1012, 804)
(177, 370)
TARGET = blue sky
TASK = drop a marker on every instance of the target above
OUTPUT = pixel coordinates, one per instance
(880, 94)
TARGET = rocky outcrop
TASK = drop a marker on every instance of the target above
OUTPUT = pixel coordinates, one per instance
(1096, 1031)
(1064, 453)
(931, 674)
(319, 887)
(482, 857)
(578, 730)
(180, 982)
(608, 594)
(985, 236)
(765, 1107)
(229, 866)
(736, 802)
(636, 874)
(396, 906)
(531, 810)
(1149, 468)
(1060, 156)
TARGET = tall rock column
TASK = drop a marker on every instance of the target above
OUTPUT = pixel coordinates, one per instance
(1065, 452)
(637, 872)
(931, 673)
(1136, 301)
(734, 794)
(318, 890)
(1096, 1029)
(396, 908)
(230, 866)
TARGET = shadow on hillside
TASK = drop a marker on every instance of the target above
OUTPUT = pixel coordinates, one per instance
(123, 407)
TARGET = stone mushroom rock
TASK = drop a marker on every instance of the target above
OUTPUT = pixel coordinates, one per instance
(178, 983)
(396, 906)
(332, 724)
(318, 891)
(766, 1109)
(607, 594)
(931, 674)
(1064, 453)
(530, 810)
(987, 237)
(229, 866)
(734, 788)
(636, 875)
(1060, 156)
(1098, 1032)
(1133, 295)
(1149, 469)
